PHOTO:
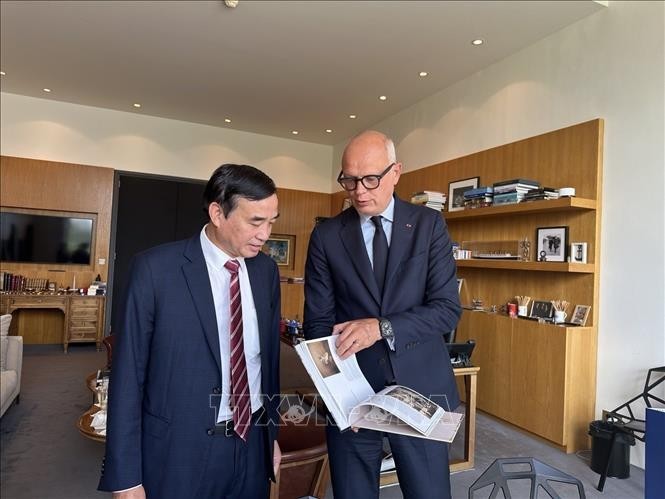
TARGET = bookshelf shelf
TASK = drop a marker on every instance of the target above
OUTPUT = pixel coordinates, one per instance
(583, 268)
(553, 205)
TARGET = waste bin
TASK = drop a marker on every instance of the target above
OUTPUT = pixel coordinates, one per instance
(601, 436)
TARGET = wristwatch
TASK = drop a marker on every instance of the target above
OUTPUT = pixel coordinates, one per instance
(386, 329)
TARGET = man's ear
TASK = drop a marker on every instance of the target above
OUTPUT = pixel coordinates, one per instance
(398, 171)
(215, 214)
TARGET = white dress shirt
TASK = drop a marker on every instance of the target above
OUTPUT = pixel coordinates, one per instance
(220, 280)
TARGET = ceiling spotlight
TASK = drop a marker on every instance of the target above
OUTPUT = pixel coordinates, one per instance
(477, 41)
(382, 97)
(47, 90)
(294, 132)
(227, 120)
(2, 73)
(422, 74)
(328, 130)
(136, 105)
(231, 4)
(352, 116)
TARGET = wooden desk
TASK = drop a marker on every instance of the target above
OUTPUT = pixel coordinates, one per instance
(470, 375)
(84, 315)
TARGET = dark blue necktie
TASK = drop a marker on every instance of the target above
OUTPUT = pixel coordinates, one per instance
(380, 250)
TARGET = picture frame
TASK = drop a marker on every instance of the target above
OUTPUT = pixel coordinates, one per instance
(542, 309)
(456, 192)
(578, 252)
(580, 314)
(281, 248)
(552, 244)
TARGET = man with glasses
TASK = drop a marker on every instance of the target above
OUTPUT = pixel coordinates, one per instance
(381, 276)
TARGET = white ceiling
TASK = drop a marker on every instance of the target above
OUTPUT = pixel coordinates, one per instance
(269, 66)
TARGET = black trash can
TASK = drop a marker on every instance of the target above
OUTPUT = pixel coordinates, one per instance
(601, 436)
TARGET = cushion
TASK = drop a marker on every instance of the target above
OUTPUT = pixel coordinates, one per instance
(8, 382)
(5, 320)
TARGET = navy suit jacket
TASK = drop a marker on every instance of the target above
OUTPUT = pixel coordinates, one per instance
(166, 374)
(420, 297)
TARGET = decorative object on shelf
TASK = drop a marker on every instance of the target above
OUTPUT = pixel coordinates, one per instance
(525, 249)
(456, 192)
(560, 307)
(523, 305)
(552, 243)
(542, 309)
(512, 309)
(477, 303)
(493, 250)
(281, 248)
(580, 314)
(578, 252)
(567, 192)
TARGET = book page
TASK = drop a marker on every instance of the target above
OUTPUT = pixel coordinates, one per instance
(375, 418)
(341, 383)
(406, 404)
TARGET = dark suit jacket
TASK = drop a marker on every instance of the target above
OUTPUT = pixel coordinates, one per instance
(166, 373)
(420, 298)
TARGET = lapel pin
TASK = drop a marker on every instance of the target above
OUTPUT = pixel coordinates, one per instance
(408, 226)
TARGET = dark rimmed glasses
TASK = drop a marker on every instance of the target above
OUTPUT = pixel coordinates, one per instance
(369, 181)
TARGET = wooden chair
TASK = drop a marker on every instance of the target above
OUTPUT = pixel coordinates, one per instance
(109, 341)
(304, 470)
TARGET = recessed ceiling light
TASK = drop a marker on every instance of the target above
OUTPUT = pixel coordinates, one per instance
(294, 132)
(422, 74)
(47, 90)
(352, 116)
(477, 41)
(2, 73)
(137, 105)
(227, 120)
(382, 97)
(328, 130)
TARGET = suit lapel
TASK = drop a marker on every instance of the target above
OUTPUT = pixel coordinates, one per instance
(400, 241)
(196, 275)
(352, 239)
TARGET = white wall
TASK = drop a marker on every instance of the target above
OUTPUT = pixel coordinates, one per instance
(58, 131)
(609, 65)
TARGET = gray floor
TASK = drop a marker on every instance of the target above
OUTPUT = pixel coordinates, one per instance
(43, 455)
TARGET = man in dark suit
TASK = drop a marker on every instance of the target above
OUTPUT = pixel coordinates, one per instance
(381, 276)
(192, 398)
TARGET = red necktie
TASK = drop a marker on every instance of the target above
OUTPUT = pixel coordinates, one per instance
(239, 386)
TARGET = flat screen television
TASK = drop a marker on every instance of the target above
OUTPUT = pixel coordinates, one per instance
(39, 238)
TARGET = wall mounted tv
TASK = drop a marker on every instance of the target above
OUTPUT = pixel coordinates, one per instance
(41, 238)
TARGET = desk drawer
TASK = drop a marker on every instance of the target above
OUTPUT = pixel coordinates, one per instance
(37, 301)
(82, 333)
(83, 314)
(82, 323)
(84, 302)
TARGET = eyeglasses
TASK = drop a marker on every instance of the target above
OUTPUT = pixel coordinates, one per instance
(369, 181)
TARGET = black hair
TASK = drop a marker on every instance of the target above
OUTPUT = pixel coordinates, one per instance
(230, 182)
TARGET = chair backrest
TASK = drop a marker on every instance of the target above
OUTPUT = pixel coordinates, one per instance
(109, 342)
(304, 470)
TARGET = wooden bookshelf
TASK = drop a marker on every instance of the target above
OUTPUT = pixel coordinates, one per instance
(539, 377)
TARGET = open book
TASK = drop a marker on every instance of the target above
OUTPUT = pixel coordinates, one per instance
(353, 403)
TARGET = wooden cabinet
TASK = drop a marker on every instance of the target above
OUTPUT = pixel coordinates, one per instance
(539, 377)
(85, 320)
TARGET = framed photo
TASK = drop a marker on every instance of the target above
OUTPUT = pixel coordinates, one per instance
(578, 252)
(281, 248)
(542, 309)
(580, 314)
(552, 244)
(456, 192)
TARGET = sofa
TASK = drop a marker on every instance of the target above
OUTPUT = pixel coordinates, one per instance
(11, 361)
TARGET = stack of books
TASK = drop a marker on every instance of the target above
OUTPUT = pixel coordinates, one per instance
(431, 199)
(513, 191)
(542, 193)
(478, 198)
